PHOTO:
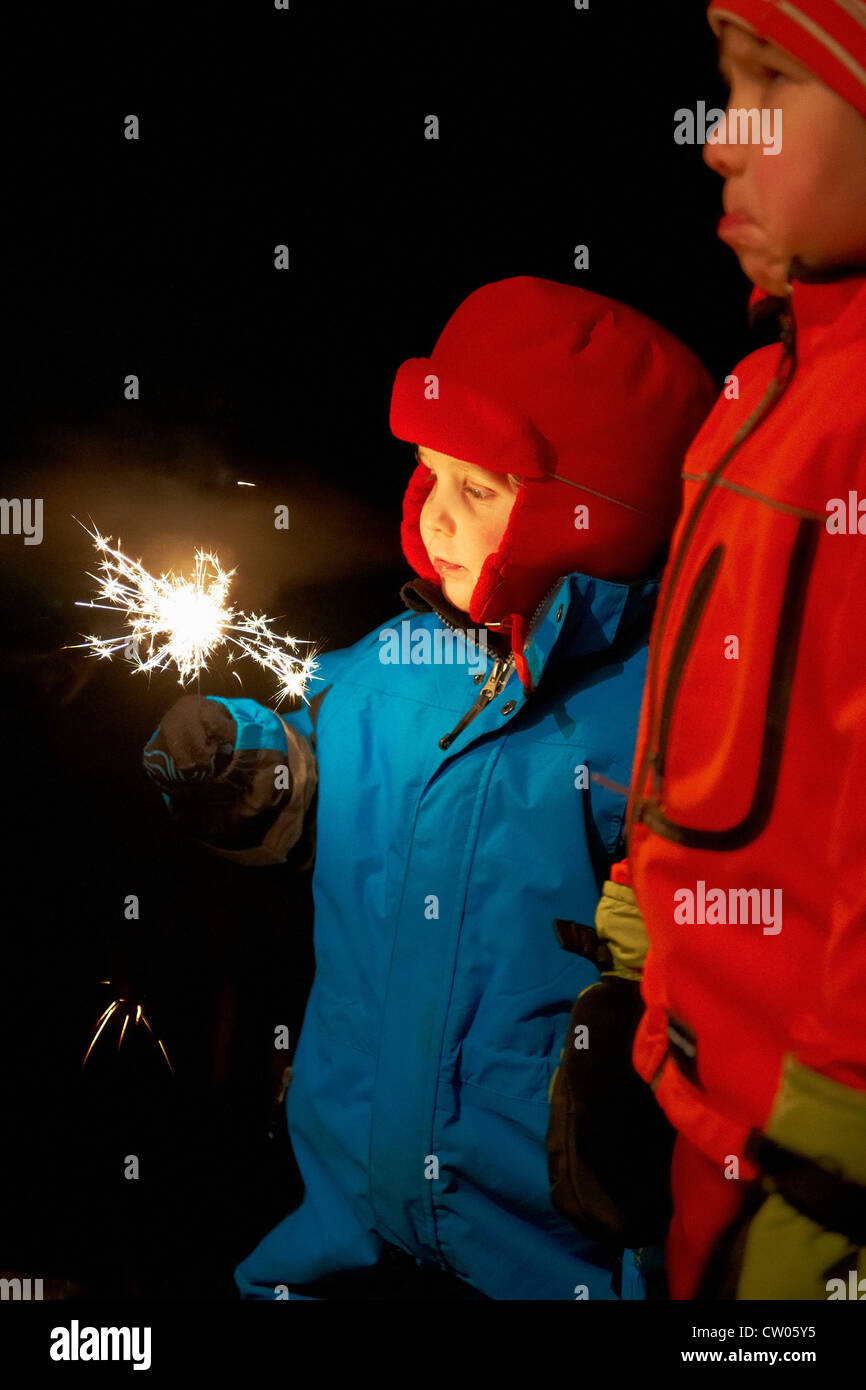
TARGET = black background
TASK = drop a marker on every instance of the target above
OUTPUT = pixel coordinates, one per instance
(155, 256)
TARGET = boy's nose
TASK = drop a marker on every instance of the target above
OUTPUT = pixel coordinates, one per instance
(722, 158)
(437, 518)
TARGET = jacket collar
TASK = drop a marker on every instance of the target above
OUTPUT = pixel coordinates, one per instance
(817, 299)
(579, 617)
(819, 304)
(423, 596)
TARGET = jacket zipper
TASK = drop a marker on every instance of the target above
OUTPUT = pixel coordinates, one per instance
(494, 683)
(497, 679)
(685, 637)
(491, 689)
(776, 389)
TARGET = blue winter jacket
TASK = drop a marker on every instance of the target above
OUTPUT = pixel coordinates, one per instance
(418, 1106)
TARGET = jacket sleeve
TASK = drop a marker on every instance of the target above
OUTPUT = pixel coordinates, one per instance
(254, 811)
(257, 810)
(651, 1039)
(831, 1037)
(650, 1045)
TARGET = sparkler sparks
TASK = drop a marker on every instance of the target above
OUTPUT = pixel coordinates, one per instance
(110, 1012)
(184, 620)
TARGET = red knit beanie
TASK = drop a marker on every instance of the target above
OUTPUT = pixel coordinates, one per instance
(591, 403)
(827, 36)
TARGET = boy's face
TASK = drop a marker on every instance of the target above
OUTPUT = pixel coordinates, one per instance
(809, 200)
(462, 521)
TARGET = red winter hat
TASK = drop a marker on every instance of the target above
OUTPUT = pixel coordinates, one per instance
(826, 36)
(588, 401)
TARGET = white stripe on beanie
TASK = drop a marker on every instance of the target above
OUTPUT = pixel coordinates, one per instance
(839, 53)
(826, 23)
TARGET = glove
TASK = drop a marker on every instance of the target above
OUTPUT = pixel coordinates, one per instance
(194, 742)
(807, 1239)
(609, 1142)
(243, 793)
(187, 759)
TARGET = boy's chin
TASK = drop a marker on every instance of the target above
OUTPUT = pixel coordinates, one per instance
(767, 273)
(458, 594)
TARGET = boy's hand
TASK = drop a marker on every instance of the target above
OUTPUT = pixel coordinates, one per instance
(194, 742)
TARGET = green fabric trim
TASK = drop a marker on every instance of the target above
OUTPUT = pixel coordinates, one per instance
(821, 1119)
(618, 922)
(787, 1256)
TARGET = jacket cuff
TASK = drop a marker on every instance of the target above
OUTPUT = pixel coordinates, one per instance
(618, 922)
(820, 1119)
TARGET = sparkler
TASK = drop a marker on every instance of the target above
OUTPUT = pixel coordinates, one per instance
(112, 1012)
(184, 620)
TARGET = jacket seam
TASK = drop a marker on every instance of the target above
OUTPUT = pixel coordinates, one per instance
(787, 507)
(468, 860)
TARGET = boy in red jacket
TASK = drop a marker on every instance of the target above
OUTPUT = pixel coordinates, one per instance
(745, 826)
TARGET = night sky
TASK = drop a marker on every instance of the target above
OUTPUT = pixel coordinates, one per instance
(156, 257)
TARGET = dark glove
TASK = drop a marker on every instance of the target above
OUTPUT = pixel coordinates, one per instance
(231, 801)
(194, 742)
(609, 1143)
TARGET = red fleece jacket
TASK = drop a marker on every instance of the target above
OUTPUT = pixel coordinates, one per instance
(750, 769)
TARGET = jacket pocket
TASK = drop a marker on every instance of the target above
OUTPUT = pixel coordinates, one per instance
(776, 708)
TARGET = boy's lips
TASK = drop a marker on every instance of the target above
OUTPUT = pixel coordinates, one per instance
(738, 226)
(444, 566)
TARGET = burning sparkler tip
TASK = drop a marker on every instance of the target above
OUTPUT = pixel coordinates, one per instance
(183, 620)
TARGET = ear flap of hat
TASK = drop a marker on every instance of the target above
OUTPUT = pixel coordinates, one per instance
(495, 570)
(410, 530)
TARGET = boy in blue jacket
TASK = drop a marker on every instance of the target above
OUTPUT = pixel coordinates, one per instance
(467, 766)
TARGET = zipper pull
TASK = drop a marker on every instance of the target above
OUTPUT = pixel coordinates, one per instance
(488, 689)
(488, 692)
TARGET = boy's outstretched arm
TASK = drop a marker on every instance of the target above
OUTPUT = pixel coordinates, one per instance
(234, 775)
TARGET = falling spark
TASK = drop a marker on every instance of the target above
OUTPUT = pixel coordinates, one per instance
(106, 1015)
(161, 1048)
(183, 621)
(240, 484)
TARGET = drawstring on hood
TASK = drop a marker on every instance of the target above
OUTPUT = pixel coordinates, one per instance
(591, 403)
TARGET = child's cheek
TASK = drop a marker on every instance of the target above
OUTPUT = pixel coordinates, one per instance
(788, 188)
(794, 182)
(492, 537)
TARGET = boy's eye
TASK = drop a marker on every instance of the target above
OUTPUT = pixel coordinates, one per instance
(480, 494)
(756, 72)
